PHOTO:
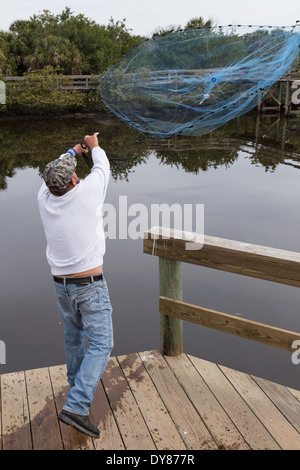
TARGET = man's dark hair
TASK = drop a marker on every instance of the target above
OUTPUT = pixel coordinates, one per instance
(58, 191)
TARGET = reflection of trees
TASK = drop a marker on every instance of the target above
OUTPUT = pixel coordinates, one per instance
(198, 159)
(268, 142)
(271, 141)
(33, 143)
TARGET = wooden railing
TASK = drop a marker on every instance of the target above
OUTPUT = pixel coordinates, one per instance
(174, 247)
(77, 82)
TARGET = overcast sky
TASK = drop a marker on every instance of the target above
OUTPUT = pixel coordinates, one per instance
(144, 17)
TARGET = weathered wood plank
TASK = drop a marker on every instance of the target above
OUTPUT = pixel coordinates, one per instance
(161, 426)
(188, 422)
(217, 421)
(102, 416)
(254, 433)
(282, 431)
(131, 424)
(285, 401)
(43, 418)
(72, 439)
(227, 255)
(15, 413)
(295, 392)
(241, 327)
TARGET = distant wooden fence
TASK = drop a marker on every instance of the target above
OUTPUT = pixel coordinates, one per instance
(77, 82)
(227, 255)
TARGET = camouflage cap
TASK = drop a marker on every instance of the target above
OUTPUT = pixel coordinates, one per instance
(59, 172)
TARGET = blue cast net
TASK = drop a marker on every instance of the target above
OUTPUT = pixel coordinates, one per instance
(192, 81)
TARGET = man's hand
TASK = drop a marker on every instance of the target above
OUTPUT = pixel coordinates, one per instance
(79, 149)
(92, 140)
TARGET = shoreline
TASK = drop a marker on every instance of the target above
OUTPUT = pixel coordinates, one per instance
(67, 114)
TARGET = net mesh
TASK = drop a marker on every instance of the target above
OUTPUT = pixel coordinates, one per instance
(193, 81)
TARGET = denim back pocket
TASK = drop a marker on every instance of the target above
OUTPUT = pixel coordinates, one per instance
(88, 300)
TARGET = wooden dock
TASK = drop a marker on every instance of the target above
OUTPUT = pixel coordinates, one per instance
(146, 401)
(167, 400)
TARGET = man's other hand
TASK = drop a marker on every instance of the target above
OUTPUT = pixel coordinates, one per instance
(79, 149)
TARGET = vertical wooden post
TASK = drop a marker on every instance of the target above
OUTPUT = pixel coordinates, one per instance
(280, 93)
(170, 285)
(287, 92)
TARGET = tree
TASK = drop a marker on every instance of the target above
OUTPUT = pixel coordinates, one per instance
(161, 31)
(56, 51)
(75, 43)
(198, 23)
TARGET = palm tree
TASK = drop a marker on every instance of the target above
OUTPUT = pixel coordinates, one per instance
(17, 52)
(56, 51)
(199, 22)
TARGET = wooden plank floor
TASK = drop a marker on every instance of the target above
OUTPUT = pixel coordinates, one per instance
(152, 402)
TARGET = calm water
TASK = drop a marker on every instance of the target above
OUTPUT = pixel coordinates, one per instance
(246, 175)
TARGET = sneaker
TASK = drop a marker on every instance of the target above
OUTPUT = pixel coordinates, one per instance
(81, 423)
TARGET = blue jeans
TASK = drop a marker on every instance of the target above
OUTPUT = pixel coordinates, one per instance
(86, 313)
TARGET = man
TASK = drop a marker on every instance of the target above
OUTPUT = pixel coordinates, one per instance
(71, 213)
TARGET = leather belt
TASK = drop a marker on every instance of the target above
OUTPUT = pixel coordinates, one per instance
(78, 280)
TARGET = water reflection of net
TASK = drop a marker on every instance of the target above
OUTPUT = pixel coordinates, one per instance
(193, 81)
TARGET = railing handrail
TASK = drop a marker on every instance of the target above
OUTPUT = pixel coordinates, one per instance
(248, 259)
(77, 82)
(75, 77)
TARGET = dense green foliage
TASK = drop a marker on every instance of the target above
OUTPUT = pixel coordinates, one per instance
(76, 44)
